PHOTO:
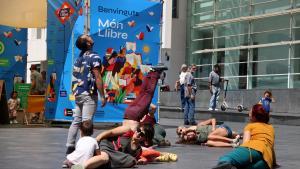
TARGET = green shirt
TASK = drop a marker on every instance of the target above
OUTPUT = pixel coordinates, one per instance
(203, 132)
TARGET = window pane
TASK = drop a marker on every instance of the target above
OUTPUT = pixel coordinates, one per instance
(202, 84)
(203, 17)
(231, 41)
(296, 34)
(232, 56)
(232, 13)
(270, 67)
(205, 6)
(237, 69)
(271, 23)
(202, 33)
(297, 3)
(270, 7)
(204, 71)
(270, 82)
(232, 29)
(202, 44)
(237, 83)
(295, 65)
(174, 8)
(204, 58)
(270, 53)
(296, 81)
(296, 49)
(270, 37)
(296, 19)
(224, 4)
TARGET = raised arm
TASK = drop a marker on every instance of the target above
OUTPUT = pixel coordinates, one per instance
(211, 121)
(113, 132)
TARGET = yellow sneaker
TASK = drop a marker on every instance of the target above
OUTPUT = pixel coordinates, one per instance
(163, 158)
(173, 157)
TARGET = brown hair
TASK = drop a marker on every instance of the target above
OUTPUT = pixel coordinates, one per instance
(269, 92)
(259, 114)
(87, 128)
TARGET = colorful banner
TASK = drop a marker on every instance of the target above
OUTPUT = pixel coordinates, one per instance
(13, 56)
(64, 23)
(127, 37)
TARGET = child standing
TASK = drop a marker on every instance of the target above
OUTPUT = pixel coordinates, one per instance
(86, 146)
(13, 105)
(266, 101)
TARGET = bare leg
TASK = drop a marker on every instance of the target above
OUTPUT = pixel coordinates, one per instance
(219, 135)
(217, 144)
(96, 161)
(133, 125)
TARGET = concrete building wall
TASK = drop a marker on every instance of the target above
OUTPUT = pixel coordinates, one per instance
(286, 100)
(178, 49)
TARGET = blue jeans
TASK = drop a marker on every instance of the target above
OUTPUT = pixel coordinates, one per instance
(189, 110)
(214, 97)
(182, 96)
(240, 158)
(85, 109)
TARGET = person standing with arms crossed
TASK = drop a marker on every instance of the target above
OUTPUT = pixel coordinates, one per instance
(214, 83)
(88, 80)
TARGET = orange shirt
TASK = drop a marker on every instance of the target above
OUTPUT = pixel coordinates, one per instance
(262, 140)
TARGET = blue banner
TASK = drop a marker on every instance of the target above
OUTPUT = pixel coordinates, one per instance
(127, 37)
(13, 56)
(65, 21)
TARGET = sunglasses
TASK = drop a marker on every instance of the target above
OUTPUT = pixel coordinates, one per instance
(140, 132)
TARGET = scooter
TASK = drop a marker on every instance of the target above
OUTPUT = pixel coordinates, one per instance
(225, 106)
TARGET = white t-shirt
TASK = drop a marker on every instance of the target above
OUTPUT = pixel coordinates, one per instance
(182, 77)
(84, 150)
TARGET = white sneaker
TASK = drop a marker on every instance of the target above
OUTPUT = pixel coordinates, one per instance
(236, 139)
(235, 145)
(15, 121)
(11, 122)
(216, 109)
(210, 109)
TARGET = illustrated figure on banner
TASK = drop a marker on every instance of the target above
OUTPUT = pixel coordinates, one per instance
(122, 73)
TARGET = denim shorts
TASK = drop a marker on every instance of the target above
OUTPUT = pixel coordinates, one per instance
(229, 131)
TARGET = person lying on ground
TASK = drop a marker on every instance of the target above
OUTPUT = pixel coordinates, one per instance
(208, 133)
(159, 131)
(119, 151)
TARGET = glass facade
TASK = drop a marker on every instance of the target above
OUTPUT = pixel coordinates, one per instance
(256, 42)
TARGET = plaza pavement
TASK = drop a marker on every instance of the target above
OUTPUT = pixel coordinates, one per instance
(44, 148)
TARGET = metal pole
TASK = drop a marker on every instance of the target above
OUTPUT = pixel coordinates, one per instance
(159, 61)
(87, 17)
